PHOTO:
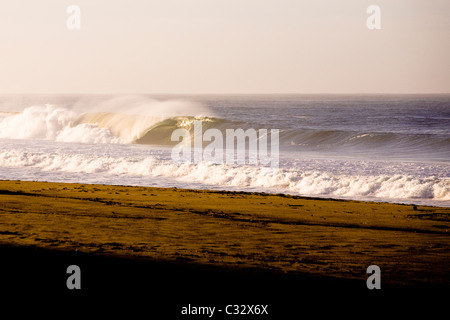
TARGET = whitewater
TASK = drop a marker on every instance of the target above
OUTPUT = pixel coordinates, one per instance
(375, 148)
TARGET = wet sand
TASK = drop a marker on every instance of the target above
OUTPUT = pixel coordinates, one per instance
(200, 244)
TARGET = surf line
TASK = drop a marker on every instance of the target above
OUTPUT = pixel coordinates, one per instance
(232, 151)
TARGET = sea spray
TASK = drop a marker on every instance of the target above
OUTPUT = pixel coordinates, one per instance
(100, 125)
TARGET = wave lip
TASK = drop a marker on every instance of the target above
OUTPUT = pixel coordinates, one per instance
(127, 128)
(124, 119)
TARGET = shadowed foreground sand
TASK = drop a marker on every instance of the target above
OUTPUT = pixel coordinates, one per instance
(211, 235)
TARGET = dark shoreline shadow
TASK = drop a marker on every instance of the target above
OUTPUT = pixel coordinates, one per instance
(33, 274)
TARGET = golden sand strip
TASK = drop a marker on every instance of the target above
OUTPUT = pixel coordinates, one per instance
(274, 232)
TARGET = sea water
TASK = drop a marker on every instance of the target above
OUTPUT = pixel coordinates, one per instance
(393, 148)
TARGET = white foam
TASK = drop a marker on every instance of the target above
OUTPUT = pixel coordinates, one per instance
(86, 133)
(308, 182)
(52, 123)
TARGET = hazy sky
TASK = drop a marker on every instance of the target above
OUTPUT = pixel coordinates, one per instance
(224, 46)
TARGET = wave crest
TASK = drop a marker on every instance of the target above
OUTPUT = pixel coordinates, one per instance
(61, 124)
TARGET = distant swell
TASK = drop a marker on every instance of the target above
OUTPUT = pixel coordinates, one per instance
(413, 144)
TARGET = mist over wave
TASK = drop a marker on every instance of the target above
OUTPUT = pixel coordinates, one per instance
(51, 123)
(102, 124)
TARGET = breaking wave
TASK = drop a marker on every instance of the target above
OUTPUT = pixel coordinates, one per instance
(99, 138)
(61, 124)
(65, 125)
(303, 181)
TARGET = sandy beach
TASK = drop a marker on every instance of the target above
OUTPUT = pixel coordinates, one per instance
(202, 244)
(270, 232)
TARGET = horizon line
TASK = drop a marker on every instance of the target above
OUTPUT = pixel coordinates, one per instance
(231, 93)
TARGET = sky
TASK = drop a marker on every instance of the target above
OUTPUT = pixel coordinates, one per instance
(224, 46)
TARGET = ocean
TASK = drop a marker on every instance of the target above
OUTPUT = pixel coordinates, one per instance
(388, 148)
